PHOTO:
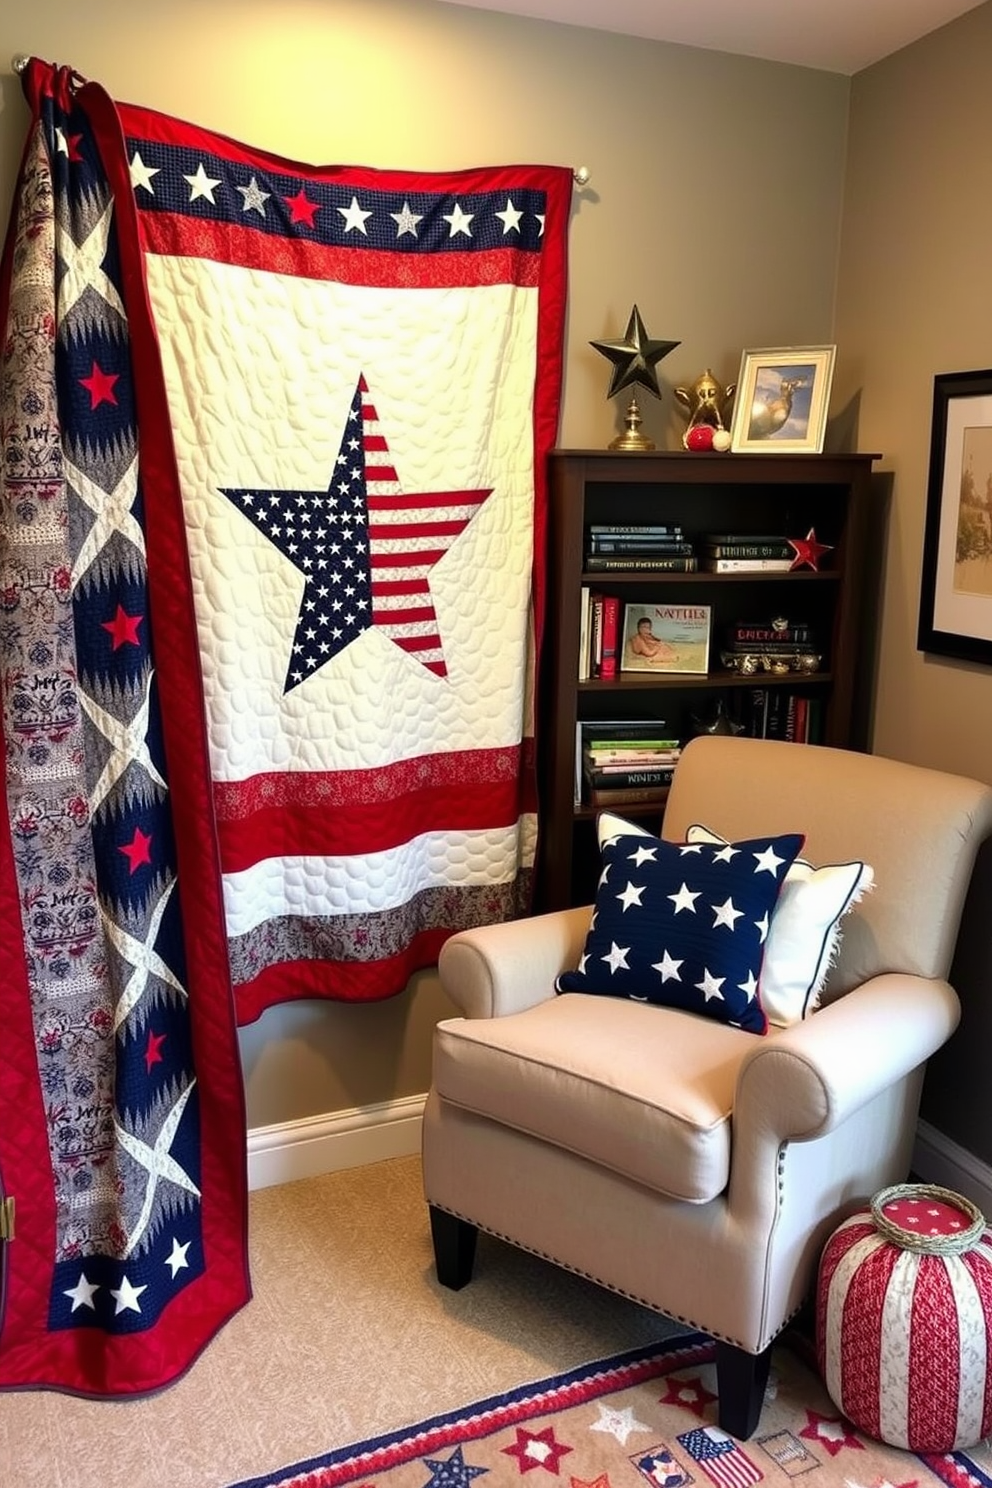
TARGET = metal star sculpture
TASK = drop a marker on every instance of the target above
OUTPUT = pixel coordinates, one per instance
(634, 358)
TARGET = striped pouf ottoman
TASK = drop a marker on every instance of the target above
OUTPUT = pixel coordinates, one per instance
(904, 1319)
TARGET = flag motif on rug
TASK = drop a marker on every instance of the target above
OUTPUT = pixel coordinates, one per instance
(356, 385)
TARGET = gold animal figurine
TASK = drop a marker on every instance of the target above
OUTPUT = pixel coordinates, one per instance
(705, 403)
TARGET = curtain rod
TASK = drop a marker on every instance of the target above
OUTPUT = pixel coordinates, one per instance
(580, 175)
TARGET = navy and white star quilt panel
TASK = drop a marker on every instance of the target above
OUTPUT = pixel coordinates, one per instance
(684, 924)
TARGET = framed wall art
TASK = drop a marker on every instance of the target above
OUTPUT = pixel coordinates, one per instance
(782, 398)
(956, 582)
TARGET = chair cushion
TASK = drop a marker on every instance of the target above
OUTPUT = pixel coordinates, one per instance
(645, 1091)
(684, 924)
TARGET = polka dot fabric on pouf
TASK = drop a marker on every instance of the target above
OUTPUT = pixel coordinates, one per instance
(904, 1320)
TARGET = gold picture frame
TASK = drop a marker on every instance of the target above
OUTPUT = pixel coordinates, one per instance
(782, 397)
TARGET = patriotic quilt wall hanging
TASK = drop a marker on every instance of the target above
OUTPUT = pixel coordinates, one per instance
(360, 376)
(122, 1124)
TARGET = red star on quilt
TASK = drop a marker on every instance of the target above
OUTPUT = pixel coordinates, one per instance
(832, 1432)
(301, 210)
(138, 850)
(808, 550)
(690, 1393)
(100, 386)
(153, 1050)
(537, 1449)
(123, 628)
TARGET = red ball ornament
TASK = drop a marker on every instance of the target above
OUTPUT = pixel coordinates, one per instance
(699, 437)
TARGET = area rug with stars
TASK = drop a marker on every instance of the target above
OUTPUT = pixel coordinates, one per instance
(642, 1419)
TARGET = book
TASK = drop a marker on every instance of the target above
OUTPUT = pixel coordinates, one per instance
(654, 529)
(671, 563)
(660, 545)
(595, 633)
(644, 775)
(584, 595)
(709, 538)
(749, 550)
(630, 746)
(747, 565)
(630, 795)
(629, 759)
(666, 638)
(765, 632)
(611, 630)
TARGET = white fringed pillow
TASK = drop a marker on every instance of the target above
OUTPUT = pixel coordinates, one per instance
(804, 932)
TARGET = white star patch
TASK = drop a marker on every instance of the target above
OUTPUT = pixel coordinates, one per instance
(768, 861)
(202, 185)
(643, 855)
(255, 197)
(726, 914)
(82, 1293)
(710, 986)
(354, 217)
(141, 174)
(617, 957)
(509, 217)
(684, 899)
(668, 967)
(458, 221)
(126, 1296)
(177, 1260)
(406, 221)
(631, 895)
(618, 1423)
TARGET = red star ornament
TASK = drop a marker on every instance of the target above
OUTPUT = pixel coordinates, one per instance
(808, 550)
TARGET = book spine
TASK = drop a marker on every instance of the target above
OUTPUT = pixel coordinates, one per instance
(626, 778)
(747, 565)
(619, 744)
(611, 629)
(749, 550)
(652, 529)
(616, 732)
(802, 718)
(668, 564)
(595, 634)
(630, 758)
(628, 796)
(584, 633)
(661, 545)
(766, 635)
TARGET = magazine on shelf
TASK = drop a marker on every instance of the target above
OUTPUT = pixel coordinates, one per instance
(666, 638)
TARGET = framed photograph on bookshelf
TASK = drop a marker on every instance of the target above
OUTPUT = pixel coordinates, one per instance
(665, 638)
(956, 584)
(782, 398)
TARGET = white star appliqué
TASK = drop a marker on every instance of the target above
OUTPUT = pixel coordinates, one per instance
(354, 217)
(684, 899)
(726, 914)
(141, 174)
(406, 221)
(126, 1296)
(509, 217)
(82, 1293)
(177, 1260)
(202, 185)
(617, 957)
(618, 1423)
(255, 197)
(668, 967)
(631, 895)
(710, 986)
(643, 855)
(458, 221)
(768, 861)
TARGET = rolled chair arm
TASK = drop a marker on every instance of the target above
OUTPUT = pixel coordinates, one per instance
(806, 1080)
(497, 969)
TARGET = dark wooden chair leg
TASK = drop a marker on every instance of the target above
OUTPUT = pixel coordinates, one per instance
(454, 1248)
(740, 1379)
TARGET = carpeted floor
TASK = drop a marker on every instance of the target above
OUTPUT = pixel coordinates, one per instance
(348, 1336)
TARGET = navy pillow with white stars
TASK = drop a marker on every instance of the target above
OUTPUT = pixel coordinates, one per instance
(684, 924)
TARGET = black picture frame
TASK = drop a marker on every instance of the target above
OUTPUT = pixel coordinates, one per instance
(956, 580)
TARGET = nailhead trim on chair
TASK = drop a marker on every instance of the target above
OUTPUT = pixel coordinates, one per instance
(608, 1286)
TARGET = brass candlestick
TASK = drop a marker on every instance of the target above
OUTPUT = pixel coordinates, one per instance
(632, 438)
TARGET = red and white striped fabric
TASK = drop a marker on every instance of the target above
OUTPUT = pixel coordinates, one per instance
(903, 1338)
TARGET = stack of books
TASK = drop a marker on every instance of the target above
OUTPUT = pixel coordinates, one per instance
(623, 763)
(657, 546)
(739, 552)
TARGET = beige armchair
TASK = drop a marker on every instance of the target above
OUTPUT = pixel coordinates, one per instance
(691, 1165)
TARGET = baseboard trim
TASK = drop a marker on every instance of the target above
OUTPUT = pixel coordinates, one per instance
(936, 1159)
(332, 1142)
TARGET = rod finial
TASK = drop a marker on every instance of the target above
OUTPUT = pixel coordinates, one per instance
(19, 62)
(581, 175)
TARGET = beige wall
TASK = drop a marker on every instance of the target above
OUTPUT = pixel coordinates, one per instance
(914, 300)
(714, 203)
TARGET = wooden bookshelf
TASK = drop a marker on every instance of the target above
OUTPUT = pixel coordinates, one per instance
(703, 493)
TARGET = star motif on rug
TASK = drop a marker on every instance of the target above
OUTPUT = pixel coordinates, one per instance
(832, 1432)
(691, 1394)
(455, 1472)
(603, 1481)
(364, 547)
(537, 1449)
(808, 551)
(618, 1423)
(634, 357)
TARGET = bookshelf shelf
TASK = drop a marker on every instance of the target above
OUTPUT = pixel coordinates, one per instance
(701, 493)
